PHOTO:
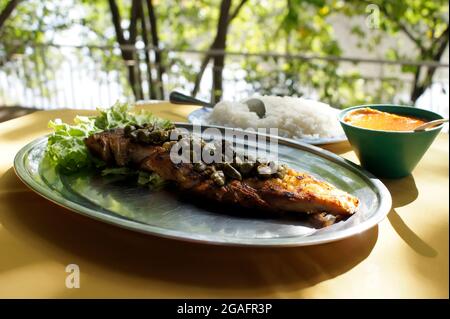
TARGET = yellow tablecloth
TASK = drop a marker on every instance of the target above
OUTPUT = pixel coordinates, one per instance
(405, 256)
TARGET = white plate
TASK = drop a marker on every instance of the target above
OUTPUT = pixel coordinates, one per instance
(199, 117)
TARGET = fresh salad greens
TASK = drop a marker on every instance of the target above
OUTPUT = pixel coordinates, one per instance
(121, 114)
(152, 180)
(66, 148)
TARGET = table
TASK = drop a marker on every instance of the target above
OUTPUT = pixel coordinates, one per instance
(405, 256)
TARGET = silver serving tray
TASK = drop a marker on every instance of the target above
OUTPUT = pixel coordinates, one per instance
(167, 213)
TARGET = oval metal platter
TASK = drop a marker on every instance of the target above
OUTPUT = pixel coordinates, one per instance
(200, 116)
(167, 213)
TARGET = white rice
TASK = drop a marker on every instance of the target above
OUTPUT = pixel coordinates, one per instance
(294, 117)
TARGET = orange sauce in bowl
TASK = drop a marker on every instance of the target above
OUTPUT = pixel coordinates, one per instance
(382, 121)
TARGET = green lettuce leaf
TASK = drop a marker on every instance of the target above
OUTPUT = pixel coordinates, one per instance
(66, 148)
(120, 115)
(150, 180)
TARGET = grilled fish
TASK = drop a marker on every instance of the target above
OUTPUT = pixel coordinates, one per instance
(292, 192)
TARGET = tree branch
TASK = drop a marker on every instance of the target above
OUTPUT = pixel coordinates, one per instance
(144, 30)
(116, 19)
(134, 12)
(224, 22)
(199, 76)
(127, 55)
(402, 26)
(236, 11)
(155, 43)
(441, 44)
(438, 49)
(9, 8)
(411, 36)
(221, 43)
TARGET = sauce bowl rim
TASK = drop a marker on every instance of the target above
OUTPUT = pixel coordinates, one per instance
(349, 109)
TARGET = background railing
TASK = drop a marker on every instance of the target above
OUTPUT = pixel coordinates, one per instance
(55, 76)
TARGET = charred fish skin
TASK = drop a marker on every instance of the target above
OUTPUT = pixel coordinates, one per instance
(291, 191)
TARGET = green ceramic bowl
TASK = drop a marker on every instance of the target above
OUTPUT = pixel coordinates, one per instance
(390, 154)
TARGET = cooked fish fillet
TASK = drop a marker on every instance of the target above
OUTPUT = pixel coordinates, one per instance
(295, 192)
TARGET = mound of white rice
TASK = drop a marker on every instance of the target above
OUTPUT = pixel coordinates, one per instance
(294, 117)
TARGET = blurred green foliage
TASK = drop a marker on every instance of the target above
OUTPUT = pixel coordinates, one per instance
(287, 27)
